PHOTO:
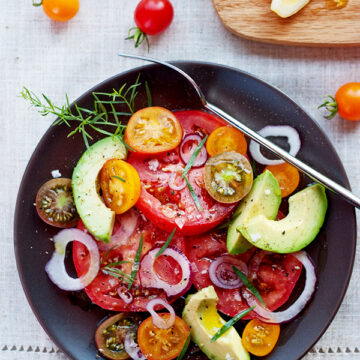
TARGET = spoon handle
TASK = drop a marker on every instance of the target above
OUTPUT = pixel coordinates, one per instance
(306, 169)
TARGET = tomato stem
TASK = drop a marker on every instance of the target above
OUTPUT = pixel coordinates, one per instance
(331, 105)
(138, 36)
(37, 3)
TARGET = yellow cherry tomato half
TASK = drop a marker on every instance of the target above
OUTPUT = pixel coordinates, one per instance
(153, 130)
(260, 338)
(287, 176)
(120, 185)
(225, 139)
(162, 344)
(60, 10)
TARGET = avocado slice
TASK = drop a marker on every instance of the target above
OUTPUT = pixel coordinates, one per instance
(98, 219)
(263, 198)
(307, 210)
(204, 321)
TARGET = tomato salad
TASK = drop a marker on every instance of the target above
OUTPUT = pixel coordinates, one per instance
(176, 217)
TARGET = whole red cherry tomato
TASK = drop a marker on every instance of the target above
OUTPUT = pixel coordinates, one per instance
(151, 17)
(346, 102)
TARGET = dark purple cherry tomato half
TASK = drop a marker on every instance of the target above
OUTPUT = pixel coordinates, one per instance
(153, 16)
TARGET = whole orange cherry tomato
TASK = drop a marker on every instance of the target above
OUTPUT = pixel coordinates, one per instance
(225, 139)
(346, 102)
(260, 338)
(162, 344)
(60, 10)
(287, 176)
(120, 184)
(153, 130)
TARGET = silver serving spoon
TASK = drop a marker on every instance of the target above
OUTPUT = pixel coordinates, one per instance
(306, 169)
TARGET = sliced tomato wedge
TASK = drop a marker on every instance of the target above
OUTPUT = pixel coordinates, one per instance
(103, 291)
(167, 201)
(275, 274)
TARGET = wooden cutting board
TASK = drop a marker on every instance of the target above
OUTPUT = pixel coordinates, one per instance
(314, 25)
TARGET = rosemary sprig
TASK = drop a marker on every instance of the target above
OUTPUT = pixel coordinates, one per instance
(136, 263)
(249, 285)
(118, 177)
(192, 192)
(230, 323)
(193, 157)
(103, 114)
(163, 248)
(185, 347)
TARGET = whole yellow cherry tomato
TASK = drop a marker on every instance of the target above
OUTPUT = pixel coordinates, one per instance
(60, 10)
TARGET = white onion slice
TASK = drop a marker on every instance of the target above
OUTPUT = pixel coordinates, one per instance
(292, 311)
(222, 274)
(128, 222)
(55, 267)
(125, 295)
(150, 279)
(275, 130)
(186, 154)
(156, 319)
(132, 348)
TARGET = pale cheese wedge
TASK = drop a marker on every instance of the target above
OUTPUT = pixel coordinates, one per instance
(286, 8)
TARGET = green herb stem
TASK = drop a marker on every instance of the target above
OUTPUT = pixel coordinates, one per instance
(192, 192)
(231, 323)
(118, 177)
(164, 247)
(136, 263)
(249, 285)
(185, 347)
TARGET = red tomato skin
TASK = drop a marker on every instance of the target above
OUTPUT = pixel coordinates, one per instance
(348, 100)
(153, 16)
(102, 290)
(161, 211)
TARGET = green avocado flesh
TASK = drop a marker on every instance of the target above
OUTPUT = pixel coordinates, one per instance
(203, 320)
(264, 198)
(307, 210)
(98, 219)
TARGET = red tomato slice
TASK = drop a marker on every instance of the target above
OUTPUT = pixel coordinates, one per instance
(168, 207)
(103, 290)
(275, 279)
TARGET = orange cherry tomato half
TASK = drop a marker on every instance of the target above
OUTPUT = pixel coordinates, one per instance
(120, 184)
(225, 139)
(162, 344)
(260, 338)
(287, 176)
(348, 101)
(153, 130)
(60, 10)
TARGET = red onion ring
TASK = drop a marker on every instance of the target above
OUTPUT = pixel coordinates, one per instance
(294, 310)
(128, 222)
(55, 267)
(255, 263)
(222, 274)
(150, 279)
(275, 130)
(132, 348)
(186, 154)
(125, 295)
(156, 319)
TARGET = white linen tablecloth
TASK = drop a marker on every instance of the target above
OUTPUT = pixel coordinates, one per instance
(59, 58)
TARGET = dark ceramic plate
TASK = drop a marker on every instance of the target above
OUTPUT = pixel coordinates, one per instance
(254, 102)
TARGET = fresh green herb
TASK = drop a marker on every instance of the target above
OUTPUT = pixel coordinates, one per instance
(193, 157)
(148, 94)
(117, 263)
(230, 323)
(136, 263)
(112, 270)
(163, 248)
(192, 192)
(185, 347)
(248, 284)
(118, 177)
(138, 36)
(107, 254)
(104, 113)
(253, 166)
